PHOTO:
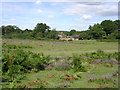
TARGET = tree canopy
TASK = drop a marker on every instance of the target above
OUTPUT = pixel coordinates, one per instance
(107, 29)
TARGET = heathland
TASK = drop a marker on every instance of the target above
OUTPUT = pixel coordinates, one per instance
(59, 64)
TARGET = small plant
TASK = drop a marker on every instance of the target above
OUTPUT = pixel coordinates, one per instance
(60, 65)
(97, 61)
(77, 64)
(63, 85)
(103, 79)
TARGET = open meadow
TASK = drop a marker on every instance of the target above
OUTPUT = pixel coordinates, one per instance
(58, 64)
(64, 48)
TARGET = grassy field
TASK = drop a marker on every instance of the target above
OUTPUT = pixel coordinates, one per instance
(101, 69)
(52, 82)
(57, 48)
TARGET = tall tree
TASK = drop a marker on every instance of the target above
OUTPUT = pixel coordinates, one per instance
(117, 23)
(83, 35)
(108, 26)
(72, 32)
(97, 32)
(90, 27)
(41, 27)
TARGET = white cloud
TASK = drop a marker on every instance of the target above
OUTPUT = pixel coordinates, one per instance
(38, 2)
(39, 11)
(87, 17)
(97, 9)
(86, 20)
(50, 16)
(107, 10)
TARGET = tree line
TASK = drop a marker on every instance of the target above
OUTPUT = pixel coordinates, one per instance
(107, 29)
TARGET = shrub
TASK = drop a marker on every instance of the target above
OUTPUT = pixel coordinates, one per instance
(70, 40)
(77, 64)
(62, 40)
(19, 61)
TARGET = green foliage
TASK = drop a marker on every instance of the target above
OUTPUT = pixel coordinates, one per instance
(41, 27)
(106, 79)
(100, 55)
(77, 64)
(107, 29)
(83, 35)
(18, 61)
(108, 26)
(8, 46)
(60, 65)
(97, 32)
(72, 32)
(70, 40)
(62, 40)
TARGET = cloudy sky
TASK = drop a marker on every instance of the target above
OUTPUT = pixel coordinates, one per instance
(60, 15)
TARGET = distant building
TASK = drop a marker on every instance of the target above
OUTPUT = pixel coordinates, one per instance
(76, 37)
(65, 37)
(61, 35)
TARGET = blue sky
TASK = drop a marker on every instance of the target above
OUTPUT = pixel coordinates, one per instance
(60, 15)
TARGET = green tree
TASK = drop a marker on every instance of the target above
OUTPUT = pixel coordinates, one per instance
(52, 34)
(90, 27)
(108, 26)
(97, 32)
(72, 32)
(117, 23)
(8, 29)
(83, 35)
(41, 27)
(2, 28)
(114, 35)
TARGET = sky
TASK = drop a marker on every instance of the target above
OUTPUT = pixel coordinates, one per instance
(62, 16)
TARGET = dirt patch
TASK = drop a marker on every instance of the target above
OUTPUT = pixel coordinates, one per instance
(50, 76)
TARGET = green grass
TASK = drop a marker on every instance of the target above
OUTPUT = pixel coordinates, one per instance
(58, 48)
(99, 70)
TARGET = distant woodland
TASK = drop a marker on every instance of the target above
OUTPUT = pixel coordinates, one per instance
(107, 29)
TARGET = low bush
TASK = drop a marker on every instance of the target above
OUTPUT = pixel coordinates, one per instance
(18, 61)
(77, 64)
(70, 40)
